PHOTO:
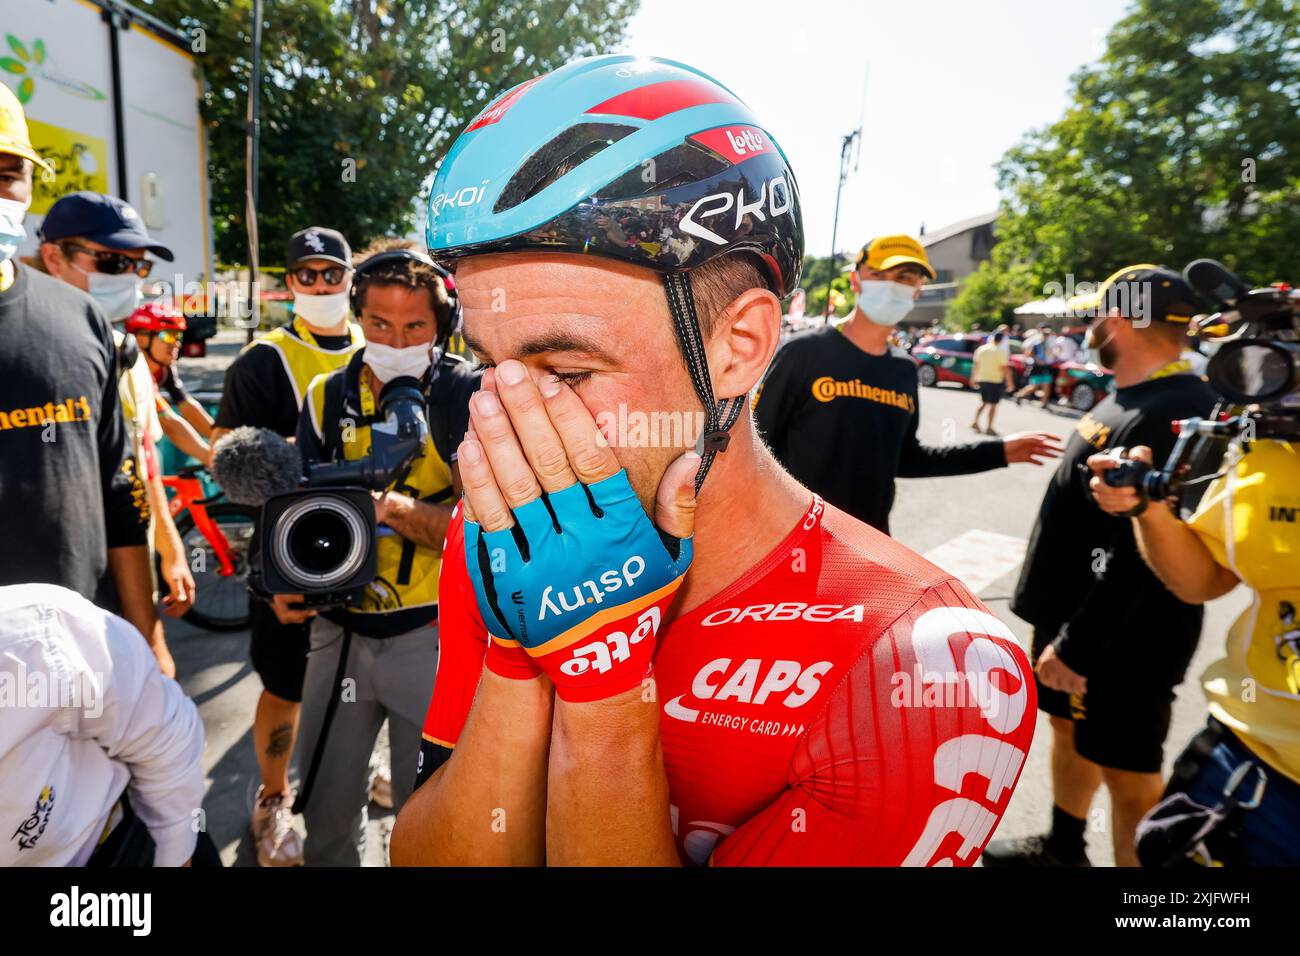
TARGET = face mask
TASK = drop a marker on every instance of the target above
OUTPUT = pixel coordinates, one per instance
(389, 363)
(117, 296)
(885, 302)
(1095, 354)
(322, 311)
(12, 230)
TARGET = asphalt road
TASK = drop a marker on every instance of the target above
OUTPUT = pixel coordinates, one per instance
(992, 514)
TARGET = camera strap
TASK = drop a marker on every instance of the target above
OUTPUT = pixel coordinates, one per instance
(332, 705)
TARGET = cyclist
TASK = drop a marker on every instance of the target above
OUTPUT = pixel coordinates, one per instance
(1240, 532)
(764, 732)
(158, 330)
(264, 388)
(390, 634)
(99, 244)
(840, 407)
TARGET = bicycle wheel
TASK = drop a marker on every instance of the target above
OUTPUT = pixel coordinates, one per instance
(220, 602)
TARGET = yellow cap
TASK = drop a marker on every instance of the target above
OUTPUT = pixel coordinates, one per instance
(13, 130)
(885, 252)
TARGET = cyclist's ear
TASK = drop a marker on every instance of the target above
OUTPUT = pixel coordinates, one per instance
(744, 339)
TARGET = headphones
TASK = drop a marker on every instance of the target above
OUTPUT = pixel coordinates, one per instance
(376, 262)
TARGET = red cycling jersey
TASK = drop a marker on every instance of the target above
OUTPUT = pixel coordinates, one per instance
(844, 702)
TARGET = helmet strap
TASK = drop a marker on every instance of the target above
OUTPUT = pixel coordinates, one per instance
(718, 416)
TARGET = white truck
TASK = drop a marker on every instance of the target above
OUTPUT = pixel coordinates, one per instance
(112, 101)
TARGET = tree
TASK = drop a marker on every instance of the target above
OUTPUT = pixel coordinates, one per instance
(816, 271)
(361, 98)
(990, 295)
(1182, 141)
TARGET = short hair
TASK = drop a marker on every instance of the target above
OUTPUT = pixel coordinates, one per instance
(407, 273)
(719, 281)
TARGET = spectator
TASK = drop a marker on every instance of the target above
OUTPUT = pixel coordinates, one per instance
(67, 476)
(991, 374)
(98, 244)
(839, 406)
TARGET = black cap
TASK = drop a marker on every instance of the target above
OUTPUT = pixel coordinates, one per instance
(104, 219)
(1149, 292)
(317, 242)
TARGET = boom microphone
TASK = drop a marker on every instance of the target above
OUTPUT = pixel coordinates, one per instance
(253, 465)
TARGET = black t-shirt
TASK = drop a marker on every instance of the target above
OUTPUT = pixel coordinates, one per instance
(843, 422)
(257, 390)
(68, 488)
(1083, 579)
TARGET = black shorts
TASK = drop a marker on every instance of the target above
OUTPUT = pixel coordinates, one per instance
(1123, 719)
(278, 651)
(991, 392)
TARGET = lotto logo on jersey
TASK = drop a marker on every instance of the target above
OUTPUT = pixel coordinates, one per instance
(754, 682)
(615, 647)
(590, 592)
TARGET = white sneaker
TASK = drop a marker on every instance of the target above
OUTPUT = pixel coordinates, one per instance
(381, 783)
(278, 841)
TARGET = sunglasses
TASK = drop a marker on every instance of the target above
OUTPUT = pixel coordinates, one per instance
(113, 263)
(332, 276)
(169, 336)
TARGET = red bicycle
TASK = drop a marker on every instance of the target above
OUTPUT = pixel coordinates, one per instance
(216, 534)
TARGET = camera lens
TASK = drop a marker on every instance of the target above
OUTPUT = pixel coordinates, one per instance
(1251, 371)
(320, 542)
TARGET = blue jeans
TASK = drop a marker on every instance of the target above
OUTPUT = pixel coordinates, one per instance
(1271, 831)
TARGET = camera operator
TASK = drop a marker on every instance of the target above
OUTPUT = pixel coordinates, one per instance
(387, 641)
(1110, 644)
(1244, 529)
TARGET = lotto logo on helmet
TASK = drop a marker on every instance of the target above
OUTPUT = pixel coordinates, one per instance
(773, 194)
(465, 196)
(590, 592)
(614, 647)
(736, 143)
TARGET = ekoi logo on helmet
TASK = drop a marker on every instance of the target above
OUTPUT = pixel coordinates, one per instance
(774, 194)
(465, 196)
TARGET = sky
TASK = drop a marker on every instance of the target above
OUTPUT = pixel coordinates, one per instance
(950, 86)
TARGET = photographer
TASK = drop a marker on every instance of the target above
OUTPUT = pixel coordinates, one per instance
(1110, 644)
(387, 641)
(1243, 530)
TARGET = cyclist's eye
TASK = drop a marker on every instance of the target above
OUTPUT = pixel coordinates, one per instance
(572, 379)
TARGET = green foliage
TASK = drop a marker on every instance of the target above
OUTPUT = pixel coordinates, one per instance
(1182, 141)
(990, 294)
(816, 270)
(380, 88)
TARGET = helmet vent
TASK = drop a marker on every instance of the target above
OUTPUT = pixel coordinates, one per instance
(683, 164)
(565, 152)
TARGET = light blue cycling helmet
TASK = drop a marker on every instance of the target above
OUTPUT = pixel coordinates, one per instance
(643, 160)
